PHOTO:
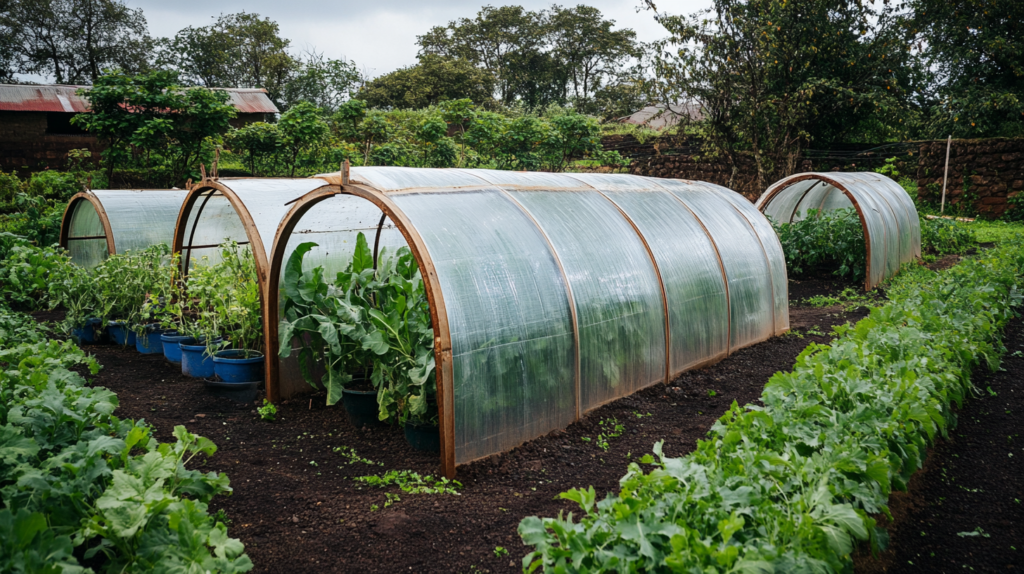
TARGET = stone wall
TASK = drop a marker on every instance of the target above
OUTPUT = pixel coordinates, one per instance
(686, 167)
(982, 172)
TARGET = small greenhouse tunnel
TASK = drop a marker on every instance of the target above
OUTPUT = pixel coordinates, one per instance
(892, 229)
(549, 294)
(105, 222)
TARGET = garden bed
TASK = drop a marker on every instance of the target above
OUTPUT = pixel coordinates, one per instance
(290, 512)
(964, 510)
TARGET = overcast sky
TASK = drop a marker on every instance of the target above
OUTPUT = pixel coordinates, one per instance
(379, 35)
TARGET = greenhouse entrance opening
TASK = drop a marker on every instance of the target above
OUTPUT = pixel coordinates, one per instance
(892, 229)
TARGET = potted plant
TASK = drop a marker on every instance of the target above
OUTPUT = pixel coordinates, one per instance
(233, 310)
(123, 282)
(370, 328)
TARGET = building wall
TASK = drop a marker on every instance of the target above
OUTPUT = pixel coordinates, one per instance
(25, 145)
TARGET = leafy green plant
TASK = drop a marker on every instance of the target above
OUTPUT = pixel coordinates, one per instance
(224, 301)
(74, 475)
(610, 429)
(412, 482)
(830, 241)
(790, 484)
(372, 320)
(268, 411)
(942, 236)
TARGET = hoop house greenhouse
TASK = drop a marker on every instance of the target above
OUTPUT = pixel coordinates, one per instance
(99, 223)
(549, 294)
(892, 229)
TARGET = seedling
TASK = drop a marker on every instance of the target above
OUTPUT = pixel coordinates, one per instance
(610, 428)
(350, 453)
(268, 411)
(500, 551)
(974, 533)
(412, 482)
(711, 393)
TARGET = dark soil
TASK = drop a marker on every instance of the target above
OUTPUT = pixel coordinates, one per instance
(965, 509)
(296, 507)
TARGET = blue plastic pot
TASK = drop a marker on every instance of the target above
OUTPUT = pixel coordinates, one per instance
(423, 437)
(90, 333)
(194, 360)
(120, 333)
(172, 350)
(231, 366)
(148, 343)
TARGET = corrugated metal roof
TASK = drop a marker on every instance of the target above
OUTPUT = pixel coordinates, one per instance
(30, 98)
(657, 117)
(27, 98)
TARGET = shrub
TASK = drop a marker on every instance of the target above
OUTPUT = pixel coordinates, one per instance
(942, 236)
(826, 240)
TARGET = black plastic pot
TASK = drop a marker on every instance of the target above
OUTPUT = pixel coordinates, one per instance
(424, 437)
(361, 408)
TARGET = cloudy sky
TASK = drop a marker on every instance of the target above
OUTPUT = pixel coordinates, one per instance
(379, 35)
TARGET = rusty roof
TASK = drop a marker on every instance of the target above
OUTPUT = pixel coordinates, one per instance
(32, 98)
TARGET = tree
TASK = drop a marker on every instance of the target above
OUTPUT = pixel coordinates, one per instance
(237, 51)
(154, 115)
(301, 129)
(74, 41)
(10, 40)
(503, 41)
(770, 76)
(976, 48)
(323, 82)
(259, 141)
(433, 80)
(587, 48)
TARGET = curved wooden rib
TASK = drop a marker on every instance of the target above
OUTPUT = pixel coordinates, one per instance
(65, 222)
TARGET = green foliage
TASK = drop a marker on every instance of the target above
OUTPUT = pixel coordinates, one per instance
(977, 49)
(790, 484)
(219, 299)
(433, 80)
(260, 141)
(35, 277)
(241, 50)
(996, 231)
(536, 58)
(372, 321)
(770, 77)
(72, 475)
(412, 482)
(825, 240)
(150, 122)
(301, 129)
(268, 412)
(942, 236)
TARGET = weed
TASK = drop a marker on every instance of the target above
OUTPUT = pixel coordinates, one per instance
(412, 482)
(268, 411)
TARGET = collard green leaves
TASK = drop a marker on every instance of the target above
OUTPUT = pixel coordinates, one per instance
(370, 322)
(74, 475)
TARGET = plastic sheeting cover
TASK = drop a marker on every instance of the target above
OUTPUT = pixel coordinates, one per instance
(85, 222)
(509, 317)
(266, 201)
(141, 218)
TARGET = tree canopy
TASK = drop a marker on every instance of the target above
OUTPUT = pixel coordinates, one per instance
(976, 50)
(433, 80)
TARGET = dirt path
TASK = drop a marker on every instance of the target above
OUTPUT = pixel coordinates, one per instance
(297, 508)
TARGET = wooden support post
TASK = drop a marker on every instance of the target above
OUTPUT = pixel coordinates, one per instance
(945, 176)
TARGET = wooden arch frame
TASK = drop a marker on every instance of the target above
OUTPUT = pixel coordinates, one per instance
(65, 223)
(785, 183)
(435, 297)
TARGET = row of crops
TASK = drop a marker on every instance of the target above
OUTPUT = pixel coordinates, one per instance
(790, 484)
(83, 489)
